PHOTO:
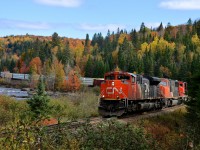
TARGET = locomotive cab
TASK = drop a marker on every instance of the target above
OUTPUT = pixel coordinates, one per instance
(115, 91)
(116, 86)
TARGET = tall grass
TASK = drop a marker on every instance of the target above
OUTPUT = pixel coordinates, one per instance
(168, 130)
(10, 109)
(76, 105)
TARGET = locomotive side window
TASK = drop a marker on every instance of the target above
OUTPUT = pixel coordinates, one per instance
(123, 77)
(176, 84)
(110, 77)
(163, 83)
(133, 79)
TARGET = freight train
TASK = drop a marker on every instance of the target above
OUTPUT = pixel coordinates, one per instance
(91, 82)
(14, 76)
(123, 92)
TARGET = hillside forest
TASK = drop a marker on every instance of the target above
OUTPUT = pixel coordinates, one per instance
(171, 51)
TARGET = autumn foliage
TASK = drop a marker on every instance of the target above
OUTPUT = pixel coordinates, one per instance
(73, 82)
(170, 50)
(36, 65)
(59, 75)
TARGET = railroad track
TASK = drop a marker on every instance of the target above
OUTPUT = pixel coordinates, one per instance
(134, 117)
(129, 118)
(125, 119)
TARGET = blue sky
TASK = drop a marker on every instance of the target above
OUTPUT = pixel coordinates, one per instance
(76, 18)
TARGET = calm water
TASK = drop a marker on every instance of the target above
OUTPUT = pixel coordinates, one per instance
(16, 93)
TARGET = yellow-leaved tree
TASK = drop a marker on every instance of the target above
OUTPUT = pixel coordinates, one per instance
(59, 75)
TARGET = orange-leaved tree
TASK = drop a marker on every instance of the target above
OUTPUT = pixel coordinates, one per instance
(73, 82)
(36, 65)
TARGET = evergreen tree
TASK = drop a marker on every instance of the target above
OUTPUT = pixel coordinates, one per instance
(160, 28)
(142, 32)
(59, 54)
(36, 48)
(12, 66)
(110, 63)
(106, 68)
(148, 63)
(189, 25)
(89, 68)
(134, 38)
(123, 55)
(198, 28)
(66, 56)
(55, 39)
(42, 55)
(193, 109)
(94, 39)
(39, 103)
(87, 45)
(48, 52)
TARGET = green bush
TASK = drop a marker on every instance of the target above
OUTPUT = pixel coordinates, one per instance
(76, 105)
(168, 130)
(110, 135)
(113, 135)
(10, 109)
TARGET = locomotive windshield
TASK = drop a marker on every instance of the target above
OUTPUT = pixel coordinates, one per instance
(117, 77)
(110, 77)
(123, 77)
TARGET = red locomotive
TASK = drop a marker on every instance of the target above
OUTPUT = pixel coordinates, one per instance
(123, 92)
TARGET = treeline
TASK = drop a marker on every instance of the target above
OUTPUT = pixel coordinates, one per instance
(171, 51)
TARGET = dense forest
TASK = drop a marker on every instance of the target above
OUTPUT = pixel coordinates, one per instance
(171, 51)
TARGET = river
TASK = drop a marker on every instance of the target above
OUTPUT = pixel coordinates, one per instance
(18, 94)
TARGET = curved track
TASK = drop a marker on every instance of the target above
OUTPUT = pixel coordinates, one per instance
(124, 119)
(134, 117)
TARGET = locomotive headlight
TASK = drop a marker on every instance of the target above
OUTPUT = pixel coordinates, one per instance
(103, 96)
(113, 84)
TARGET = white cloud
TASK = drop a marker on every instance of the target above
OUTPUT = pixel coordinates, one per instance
(19, 24)
(61, 3)
(101, 27)
(181, 4)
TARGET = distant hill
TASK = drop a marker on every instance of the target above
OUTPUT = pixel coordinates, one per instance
(171, 50)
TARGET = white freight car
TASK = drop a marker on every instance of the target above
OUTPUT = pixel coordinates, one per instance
(18, 76)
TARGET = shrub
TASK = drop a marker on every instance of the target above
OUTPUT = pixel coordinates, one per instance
(105, 135)
(10, 109)
(76, 105)
(168, 130)
(39, 103)
(113, 135)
